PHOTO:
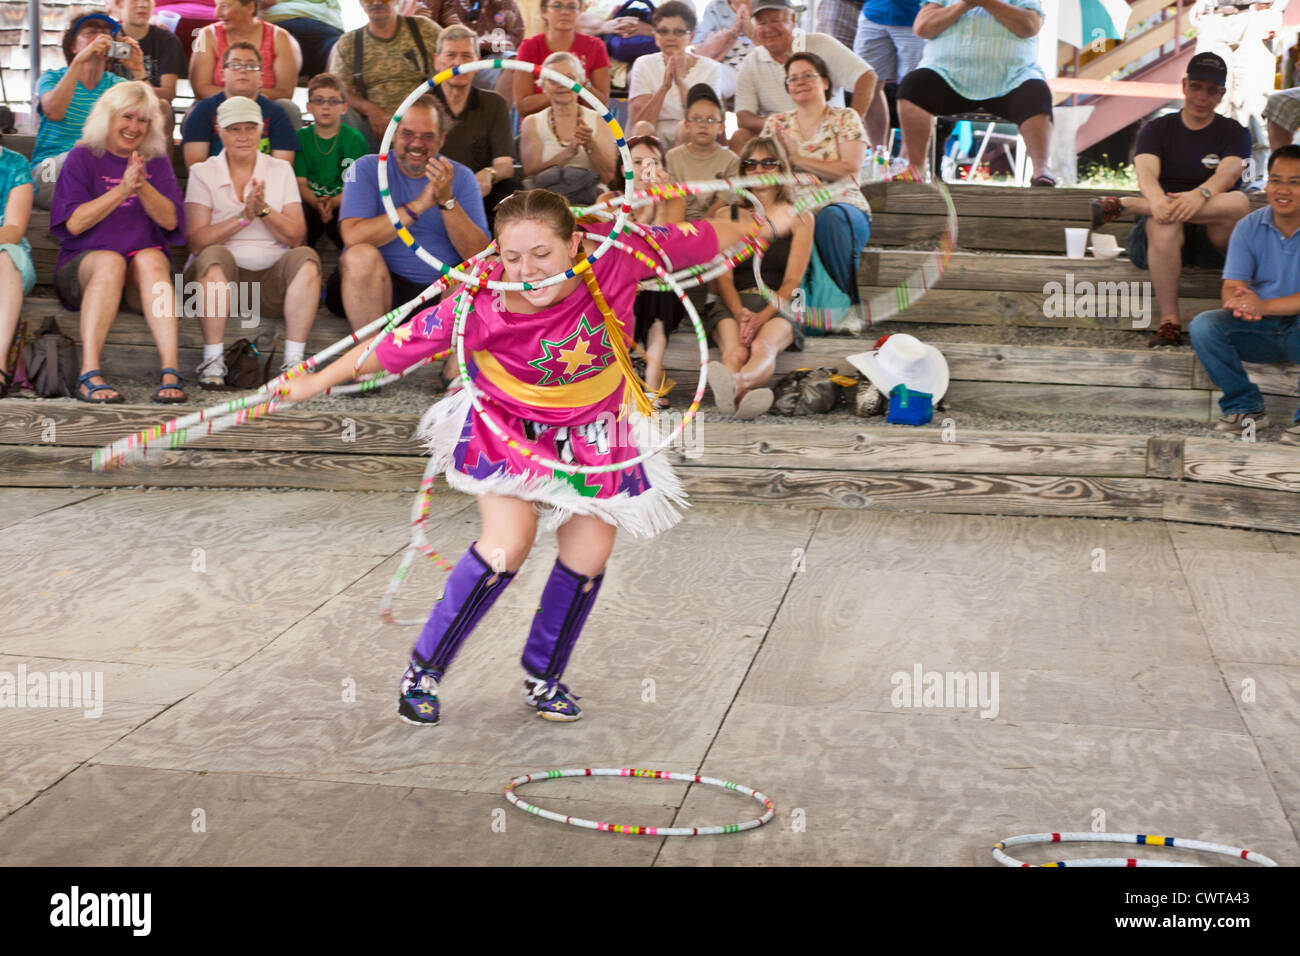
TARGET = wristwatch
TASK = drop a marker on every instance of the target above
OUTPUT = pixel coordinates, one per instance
(1204, 192)
(264, 212)
(449, 205)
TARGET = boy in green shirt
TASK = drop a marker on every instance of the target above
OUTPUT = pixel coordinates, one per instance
(327, 148)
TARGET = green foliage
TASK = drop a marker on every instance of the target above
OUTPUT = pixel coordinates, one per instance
(1093, 175)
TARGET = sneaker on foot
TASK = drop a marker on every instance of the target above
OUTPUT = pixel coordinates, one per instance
(1106, 209)
(1237, 420)
(1290, 436)
(553, 701)
(1169, 335)
(212, 373)
(419, 701)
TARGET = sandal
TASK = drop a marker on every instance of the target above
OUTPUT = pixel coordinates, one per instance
(1042, 179)
(1169, 335)
(84, 382)
(179, 387)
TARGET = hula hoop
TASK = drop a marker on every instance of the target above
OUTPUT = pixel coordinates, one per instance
(769, 808)
(463, 306)
(1141, 839)
(540, 72)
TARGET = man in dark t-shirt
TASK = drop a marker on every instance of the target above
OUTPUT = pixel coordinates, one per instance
(1188, 168)
(164, 59)
(200, 137)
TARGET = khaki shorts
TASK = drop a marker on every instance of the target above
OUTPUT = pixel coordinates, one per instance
(272, 284)
(752, 300)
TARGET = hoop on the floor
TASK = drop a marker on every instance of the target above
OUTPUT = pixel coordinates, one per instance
(769, 808)
(1141, 839)
(540, 72)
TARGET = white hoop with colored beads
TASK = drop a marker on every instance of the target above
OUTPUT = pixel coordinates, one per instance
(769, 808)
(540, 72)
(1142, 839)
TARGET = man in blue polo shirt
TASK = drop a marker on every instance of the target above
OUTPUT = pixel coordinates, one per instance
(1261, 300)
(436, 198)
(200, 135)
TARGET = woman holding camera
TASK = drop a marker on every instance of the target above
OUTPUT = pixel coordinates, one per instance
(67, 95)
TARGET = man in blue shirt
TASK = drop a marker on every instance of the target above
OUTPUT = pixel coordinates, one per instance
(200, 135)
(1261, 299)
(436, 198)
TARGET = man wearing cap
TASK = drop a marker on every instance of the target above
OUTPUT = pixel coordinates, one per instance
(242, 68)
(1188, 167)
(1261, 299)
(65, 96)
(760, 84)
(982, 57)
(245, 224)
(437, 200)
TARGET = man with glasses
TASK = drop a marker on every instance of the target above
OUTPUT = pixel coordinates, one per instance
(483, 141)
(1261, 299)
(760, 85)
(498, 24)
(437, 200)
(1188, 167)
(200, 135)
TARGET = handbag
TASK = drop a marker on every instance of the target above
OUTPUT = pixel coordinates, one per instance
(628, 49)
(244, 368)
(826, 304)
(51, 362)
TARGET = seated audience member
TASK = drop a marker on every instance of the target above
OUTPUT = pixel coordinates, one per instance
(116, 213)
(829, 142)
(1261, 300)
(725, 32)
(200, 133)
(499, 26)
(886, 40)
(315, 24)
(65, 96)
(656, 315)
(660, 81)
(164, 59)
(980, 58)
(436, 198)
(326, 148)
(245, 225)
(760, 83)
(566, 134)
(189, 17)
(700, 157)
(17, 272)
(381, 62)
(481, 119)
(561, 36)
(749, 331)
(1188, 167)
(238, 23)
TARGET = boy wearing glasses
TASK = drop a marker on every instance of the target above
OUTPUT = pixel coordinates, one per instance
(700, 157)
(326, 148)
(242, 76)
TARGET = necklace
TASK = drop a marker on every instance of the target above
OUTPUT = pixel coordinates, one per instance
(324, 152)
(550, 121)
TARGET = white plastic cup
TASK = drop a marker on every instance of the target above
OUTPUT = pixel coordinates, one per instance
(1076, 242)
(169, 20)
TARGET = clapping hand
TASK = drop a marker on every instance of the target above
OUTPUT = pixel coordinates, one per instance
(135, 176)
(254, 199)
(440, 174)
(582, 134)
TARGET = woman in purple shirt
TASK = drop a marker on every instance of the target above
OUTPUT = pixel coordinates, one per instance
(117, 209)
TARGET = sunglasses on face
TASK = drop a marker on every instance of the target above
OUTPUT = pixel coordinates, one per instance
(747, 164)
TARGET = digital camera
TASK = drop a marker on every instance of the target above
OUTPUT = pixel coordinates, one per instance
(118, 50)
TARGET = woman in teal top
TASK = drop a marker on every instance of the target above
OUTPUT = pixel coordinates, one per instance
(17, 276)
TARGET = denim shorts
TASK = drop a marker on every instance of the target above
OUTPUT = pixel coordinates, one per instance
(1198, 250)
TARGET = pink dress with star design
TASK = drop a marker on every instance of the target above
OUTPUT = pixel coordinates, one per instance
(551, 382)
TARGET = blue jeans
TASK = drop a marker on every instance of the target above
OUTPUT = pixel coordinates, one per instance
(1223, 341)
(316, 39)
(840, 233)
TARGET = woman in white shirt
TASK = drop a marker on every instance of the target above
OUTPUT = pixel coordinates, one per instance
(566, 133)
(659, 82)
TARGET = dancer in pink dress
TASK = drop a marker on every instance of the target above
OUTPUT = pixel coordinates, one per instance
(547, 362)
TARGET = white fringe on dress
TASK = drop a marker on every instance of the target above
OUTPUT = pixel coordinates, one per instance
(643, 515)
